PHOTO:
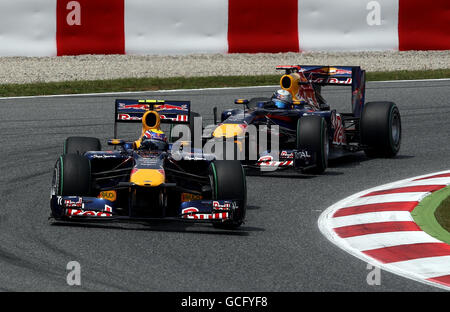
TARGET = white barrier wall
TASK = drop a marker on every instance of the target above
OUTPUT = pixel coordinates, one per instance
(348, 25)
(173, 26)
(27, 27)
(70, 27)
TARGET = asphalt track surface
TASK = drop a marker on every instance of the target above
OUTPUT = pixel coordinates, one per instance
(280, 248)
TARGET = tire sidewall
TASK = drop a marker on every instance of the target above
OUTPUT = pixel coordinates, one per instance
(318, 144)
(228, 182)
(80, 145)
(75, 176)
(377, 129)
(394, 113)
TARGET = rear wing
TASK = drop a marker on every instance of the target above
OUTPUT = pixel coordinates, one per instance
(172, 112)
(320, 75)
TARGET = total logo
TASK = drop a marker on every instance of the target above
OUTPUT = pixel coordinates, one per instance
(302, 155)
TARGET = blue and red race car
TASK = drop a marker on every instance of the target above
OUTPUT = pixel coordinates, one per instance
(144, 179)
(308, 131)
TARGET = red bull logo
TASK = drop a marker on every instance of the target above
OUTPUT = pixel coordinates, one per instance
(134, 106)
(331, 71)
(171, 107)
(128, 117)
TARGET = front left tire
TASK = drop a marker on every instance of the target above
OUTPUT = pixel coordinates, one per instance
(72, 176)
(80, 145)
(312, 135)
(229, 183)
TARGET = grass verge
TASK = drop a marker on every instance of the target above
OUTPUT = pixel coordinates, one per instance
(425, 215)
(442, 214)
(153, 84)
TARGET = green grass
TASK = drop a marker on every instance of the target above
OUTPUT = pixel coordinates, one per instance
(152, 84)
(442, 214)
(427, 217)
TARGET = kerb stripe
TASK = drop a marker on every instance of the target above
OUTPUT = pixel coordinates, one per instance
(379, 227)
(407, 189)
(409, 252)
(390, 206)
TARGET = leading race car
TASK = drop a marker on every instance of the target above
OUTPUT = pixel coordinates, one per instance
(145, 179)
(308, 132)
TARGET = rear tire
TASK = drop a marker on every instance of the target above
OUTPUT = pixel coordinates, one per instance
(312, 135)
(229, 183)
(80, 145)
(381, 129)
(72, 176)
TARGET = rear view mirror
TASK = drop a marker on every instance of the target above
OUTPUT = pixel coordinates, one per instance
(241, 101)
(116, 142)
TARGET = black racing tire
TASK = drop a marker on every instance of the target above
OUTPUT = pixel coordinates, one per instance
(312, 134)
(229, 183)
(381, 129)
(72, 176)
(80, 145)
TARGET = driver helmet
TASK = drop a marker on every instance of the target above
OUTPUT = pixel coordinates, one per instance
(282, 98)
(154, 140)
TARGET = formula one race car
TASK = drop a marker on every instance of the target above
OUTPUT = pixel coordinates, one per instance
(308, 132)
(145, 179)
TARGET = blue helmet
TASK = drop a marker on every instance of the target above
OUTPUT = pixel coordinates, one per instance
(280, 104)
(282, 99)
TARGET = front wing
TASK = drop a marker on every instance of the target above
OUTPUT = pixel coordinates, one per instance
(72, 208)
(297, 159)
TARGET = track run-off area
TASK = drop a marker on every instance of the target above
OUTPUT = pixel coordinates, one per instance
(279, 248)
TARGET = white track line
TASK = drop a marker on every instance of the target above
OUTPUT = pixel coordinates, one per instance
(134, 92)
(191, 90)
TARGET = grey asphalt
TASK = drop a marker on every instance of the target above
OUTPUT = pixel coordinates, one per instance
(280, 248)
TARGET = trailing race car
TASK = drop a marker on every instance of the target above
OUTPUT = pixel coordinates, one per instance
(144, 179)
(308, 131)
